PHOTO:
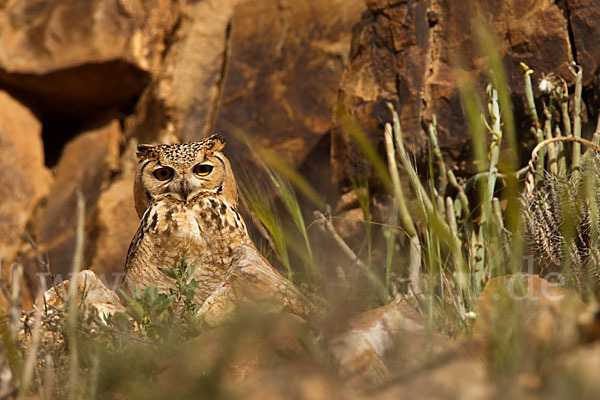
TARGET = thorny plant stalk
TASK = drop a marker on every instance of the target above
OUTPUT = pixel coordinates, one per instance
(363, 196)
(576, 157)
(406, 164)
(443, 176)
(433, 216)
(551, 149)
(536, 127)
(464, 200)
(496, 133)
(15, 300)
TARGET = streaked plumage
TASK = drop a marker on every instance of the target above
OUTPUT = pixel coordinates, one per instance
(187, 213)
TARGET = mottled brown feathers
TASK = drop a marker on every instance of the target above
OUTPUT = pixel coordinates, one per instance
(190, 215)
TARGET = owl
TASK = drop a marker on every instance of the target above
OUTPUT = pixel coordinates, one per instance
(186, 196)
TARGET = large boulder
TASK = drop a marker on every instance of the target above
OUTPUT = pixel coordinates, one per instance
(68, 58)
(116, 223)
(86, 164)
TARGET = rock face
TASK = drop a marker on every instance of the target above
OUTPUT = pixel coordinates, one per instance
(39, 37)
(25, 179)
(284, 65)
(85, 166)
(182, 97)
(266, 69)
(79, 58)
(583, 18)
(408, 52)
(387, 63)
(116, 223)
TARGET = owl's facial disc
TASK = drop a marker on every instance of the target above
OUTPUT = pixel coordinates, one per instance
(186, 183)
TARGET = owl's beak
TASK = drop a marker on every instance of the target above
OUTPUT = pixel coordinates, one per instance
(184, 189)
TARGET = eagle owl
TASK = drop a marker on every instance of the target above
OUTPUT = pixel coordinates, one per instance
(186, 197)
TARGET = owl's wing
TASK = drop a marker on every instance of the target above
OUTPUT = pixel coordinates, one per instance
(137, 238)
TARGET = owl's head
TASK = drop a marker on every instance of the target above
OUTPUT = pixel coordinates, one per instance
(183, 172)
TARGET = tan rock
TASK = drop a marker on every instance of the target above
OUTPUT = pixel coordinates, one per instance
(116, 224)
(43, 37)
(266, 341)
(85, 165)
(302, 382)
(251, 282)
(252, 363)
(364, 347)
(25, 180)
(92, 295)
(183, 97)
(577, 369)
(459, 377)
(74, 61)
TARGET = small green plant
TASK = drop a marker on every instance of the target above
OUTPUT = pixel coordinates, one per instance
(157, 315)
(148, 308)
(183, 290)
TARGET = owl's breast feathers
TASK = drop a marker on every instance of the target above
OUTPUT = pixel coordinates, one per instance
(205, 232)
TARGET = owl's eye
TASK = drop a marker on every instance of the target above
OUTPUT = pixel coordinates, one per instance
(203, 169)
(164, 173)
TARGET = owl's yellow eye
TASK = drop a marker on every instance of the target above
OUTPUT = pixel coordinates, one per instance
(164, 173)
(203, 169)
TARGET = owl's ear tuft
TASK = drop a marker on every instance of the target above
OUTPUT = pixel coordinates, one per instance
(216, 142)
(145, 151)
